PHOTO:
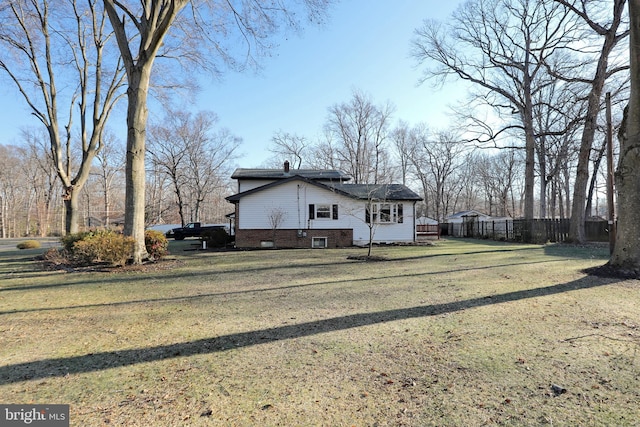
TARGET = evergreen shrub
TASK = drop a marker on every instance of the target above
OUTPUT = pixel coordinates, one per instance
(156, 243)
(29, 244)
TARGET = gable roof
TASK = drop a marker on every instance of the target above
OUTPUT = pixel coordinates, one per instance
(356, 191)
(323, 175)
(377, 191)
(467, 213)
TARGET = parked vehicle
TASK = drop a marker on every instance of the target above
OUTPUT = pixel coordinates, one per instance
(193, 229)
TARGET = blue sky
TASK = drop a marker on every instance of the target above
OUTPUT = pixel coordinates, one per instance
(364, 45)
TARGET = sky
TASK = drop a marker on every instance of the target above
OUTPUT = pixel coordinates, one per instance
(364, 46)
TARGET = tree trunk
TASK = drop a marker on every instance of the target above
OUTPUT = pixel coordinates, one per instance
(71, 211)
(626, 254)
(576, 227)
(135, 177)
(542, 166)
(588, 212)
(529, 171)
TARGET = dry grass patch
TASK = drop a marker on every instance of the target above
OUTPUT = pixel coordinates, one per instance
(458, 333)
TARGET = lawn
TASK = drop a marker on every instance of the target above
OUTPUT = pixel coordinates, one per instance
(459, 333)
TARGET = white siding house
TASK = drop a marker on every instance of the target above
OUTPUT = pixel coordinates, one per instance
(299, 211)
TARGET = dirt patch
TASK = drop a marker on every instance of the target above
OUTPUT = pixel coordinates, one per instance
(367, 258)
(146, 267)
(610, 271)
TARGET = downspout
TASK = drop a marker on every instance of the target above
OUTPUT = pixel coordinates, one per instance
(299, 216)
(415, 235)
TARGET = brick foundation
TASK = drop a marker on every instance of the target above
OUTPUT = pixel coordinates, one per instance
(254, 238)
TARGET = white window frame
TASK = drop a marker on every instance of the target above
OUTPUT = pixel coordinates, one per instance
(319, 239)
(384, 213)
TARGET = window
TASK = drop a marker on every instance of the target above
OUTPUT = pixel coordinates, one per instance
(384, 213)
(323, 211)
(318, 242)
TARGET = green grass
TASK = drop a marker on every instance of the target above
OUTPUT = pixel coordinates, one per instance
(458, 333)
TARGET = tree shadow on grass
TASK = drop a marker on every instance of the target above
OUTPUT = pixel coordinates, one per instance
(102, 278)
(93, 362)
(263, 289)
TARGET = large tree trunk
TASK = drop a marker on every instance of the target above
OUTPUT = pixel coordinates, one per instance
(71, 211)
(626, 254)
(576, 227)
(529, 163)
(135, 177)
(588, 212)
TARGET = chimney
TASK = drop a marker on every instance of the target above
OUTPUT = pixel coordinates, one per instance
(286, 166)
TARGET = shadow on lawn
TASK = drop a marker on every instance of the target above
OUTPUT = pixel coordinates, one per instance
(259, 290)
(99, 361)
(80, 279)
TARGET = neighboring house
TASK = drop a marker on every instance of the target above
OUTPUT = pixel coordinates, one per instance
(318, 208)
(463, 224)
(425, 220)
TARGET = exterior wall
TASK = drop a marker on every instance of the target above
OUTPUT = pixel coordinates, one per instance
(293, 238)
(250, 184)
(292, 200)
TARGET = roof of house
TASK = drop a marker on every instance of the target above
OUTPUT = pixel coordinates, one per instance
(466, 213)
(323, 175)
(356, 191)
(422, 220)
(377, 191)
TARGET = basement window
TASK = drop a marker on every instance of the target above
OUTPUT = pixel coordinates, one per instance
(319, 242)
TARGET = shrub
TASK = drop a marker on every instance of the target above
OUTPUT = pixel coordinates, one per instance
(70, 239)
(215, 237)
(104, 246)
(55, 256)
(29, 244)
(156, 243)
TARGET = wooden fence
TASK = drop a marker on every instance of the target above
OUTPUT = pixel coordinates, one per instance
(520, 230)
(428, 230)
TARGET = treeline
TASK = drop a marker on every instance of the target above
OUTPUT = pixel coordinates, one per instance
(528, 141)
(188, 177)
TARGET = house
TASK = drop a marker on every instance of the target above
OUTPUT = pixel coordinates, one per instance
(466, 223)
(306, 208)
(425, 220)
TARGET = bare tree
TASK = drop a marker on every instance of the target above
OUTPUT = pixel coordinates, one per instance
(557, 115)
(13, 192)
(611, 30)
(400, 136)
(160, 204)
(357, 133)
(143, 34)
(194, 156)
(42, 175)
(500, 47)
(436, 161)
(210, 157)
(109, 172)
(57, 54)
(497, 173)
(288, 146)
(276, 218)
